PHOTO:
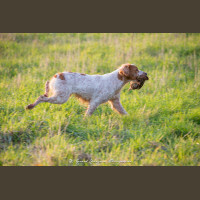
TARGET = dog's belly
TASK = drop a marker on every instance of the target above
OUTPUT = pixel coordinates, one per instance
(82, 98)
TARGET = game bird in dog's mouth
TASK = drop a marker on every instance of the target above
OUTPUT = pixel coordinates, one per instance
(92, 89)
(139, 82)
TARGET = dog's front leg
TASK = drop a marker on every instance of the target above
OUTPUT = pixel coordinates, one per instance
(117, 106)
(91, 108)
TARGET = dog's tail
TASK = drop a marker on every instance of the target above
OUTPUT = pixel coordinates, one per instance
(46, 94)
(54, 84)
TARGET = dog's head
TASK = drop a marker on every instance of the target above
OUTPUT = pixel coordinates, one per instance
(131, 72)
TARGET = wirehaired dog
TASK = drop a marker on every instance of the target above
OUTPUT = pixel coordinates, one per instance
(92, 89)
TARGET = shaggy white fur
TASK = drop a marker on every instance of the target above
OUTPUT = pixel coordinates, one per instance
(92, 89)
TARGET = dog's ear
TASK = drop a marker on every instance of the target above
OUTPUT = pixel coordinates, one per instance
(133, 71)
(125, 70)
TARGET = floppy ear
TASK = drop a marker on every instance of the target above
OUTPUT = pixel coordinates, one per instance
(125, 70)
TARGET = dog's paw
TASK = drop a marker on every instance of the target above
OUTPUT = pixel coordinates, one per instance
(30, 106)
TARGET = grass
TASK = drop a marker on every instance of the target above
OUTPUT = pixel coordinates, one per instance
(163, 125)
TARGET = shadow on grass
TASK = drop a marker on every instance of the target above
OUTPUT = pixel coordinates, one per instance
(23, 136)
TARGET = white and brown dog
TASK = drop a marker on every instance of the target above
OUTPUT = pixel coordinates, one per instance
(91, 89)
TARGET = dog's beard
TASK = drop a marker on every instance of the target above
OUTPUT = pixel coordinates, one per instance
(138, 83)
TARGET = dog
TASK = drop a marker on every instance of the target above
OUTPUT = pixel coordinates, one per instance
(91, 89)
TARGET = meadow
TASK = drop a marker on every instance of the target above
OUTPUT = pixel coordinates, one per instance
(163, 125)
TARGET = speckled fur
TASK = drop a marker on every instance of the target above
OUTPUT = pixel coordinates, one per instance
(92, 89)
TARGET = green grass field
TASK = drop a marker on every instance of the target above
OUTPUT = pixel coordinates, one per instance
(163, 125)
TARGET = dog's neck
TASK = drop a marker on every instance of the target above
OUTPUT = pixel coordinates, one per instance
(120, 80)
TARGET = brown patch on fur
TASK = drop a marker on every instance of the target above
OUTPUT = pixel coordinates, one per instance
(61, 76)
(133, 72)
(81, 99)
(83, 74)
(128, 71)
(119, 76)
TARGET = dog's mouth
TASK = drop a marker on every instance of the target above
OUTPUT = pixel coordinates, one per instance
(142, 78)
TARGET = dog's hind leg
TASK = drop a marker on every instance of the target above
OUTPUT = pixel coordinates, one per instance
(56, 99)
